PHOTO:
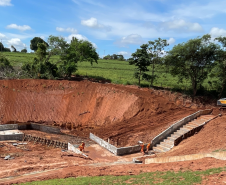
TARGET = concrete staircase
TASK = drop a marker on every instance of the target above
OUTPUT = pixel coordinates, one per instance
(168, 143)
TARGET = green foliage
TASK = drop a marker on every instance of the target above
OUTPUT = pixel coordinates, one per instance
(114, 57)
(57, 45)
(141, 60)
(192, 60)
(4, 63)
(13, 48)
(78, 51)
(24, 51)
(219, 71)
(67, 68)
(3, 49)
(156, 53)
(41, 51)
(35, 41)
(41, 67)
(163, 178)
(7, 50)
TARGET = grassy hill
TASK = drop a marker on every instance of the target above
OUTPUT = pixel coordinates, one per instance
(119, 72)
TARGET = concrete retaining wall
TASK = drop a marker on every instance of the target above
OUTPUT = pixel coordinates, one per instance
(156, 140)
(45, 128)
(129, 150)
(103, 143)
(177, 125)
(216, 155)
(8, 127)
(40, 127)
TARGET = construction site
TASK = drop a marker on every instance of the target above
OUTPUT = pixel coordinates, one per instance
(43, 123)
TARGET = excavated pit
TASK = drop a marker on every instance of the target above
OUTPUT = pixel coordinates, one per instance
(121, 114)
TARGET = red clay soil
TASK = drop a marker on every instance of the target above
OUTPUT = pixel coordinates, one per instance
(211, 138)
(118, 170)
(122, 113)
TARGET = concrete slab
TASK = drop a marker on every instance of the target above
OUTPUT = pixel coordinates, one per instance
(11, 135)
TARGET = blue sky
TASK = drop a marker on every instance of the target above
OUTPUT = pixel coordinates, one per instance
(118, 26)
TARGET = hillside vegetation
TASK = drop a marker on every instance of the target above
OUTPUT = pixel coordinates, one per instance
(119, 72)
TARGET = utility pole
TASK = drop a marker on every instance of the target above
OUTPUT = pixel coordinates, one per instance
(104, 53)
(1, 45)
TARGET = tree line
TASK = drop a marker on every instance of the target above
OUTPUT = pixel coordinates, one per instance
(193, 61)
(69, 54)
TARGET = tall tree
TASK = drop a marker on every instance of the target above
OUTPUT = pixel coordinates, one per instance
(24, 50)
(156, 52)
(57, 45)
(78, 51)
(192, 60)
(219, 71)
(13, 48)
(1, 47)
(141, 61)
(35, 41)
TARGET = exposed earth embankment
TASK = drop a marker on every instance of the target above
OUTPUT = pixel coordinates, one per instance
(122, 113)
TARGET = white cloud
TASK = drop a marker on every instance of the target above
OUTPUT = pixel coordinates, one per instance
(200, 9)
(130, 39)
(93, 23)
(171, 41)
(2, 36)
(70, 30)
(5, 3)
(43, 37)
(217, 32)
(125, 54)
(17, 27)
(181, 25)
(79, 37)
(17, 43)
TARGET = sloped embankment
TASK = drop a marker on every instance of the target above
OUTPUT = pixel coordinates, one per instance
(64, 103)
(123, 114)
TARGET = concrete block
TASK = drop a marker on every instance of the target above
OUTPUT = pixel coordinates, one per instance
(8, 127)
(11, 135)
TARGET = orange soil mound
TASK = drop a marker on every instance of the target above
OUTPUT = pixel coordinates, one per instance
(212, 137)
(123, 114)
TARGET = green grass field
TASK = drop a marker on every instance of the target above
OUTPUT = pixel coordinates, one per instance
(158, 178)
(119, 72)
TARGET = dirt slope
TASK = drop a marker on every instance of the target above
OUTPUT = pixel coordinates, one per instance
(123, 114)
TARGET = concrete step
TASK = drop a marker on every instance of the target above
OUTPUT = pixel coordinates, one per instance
(157, 149)
(163, 147)
(168, 141)
(185, 129)
(191, 125)
(166, 144)
(198, 121)
(182, 132)
(174, 136)
(177, 133)
(171, 138)
(194, 124)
